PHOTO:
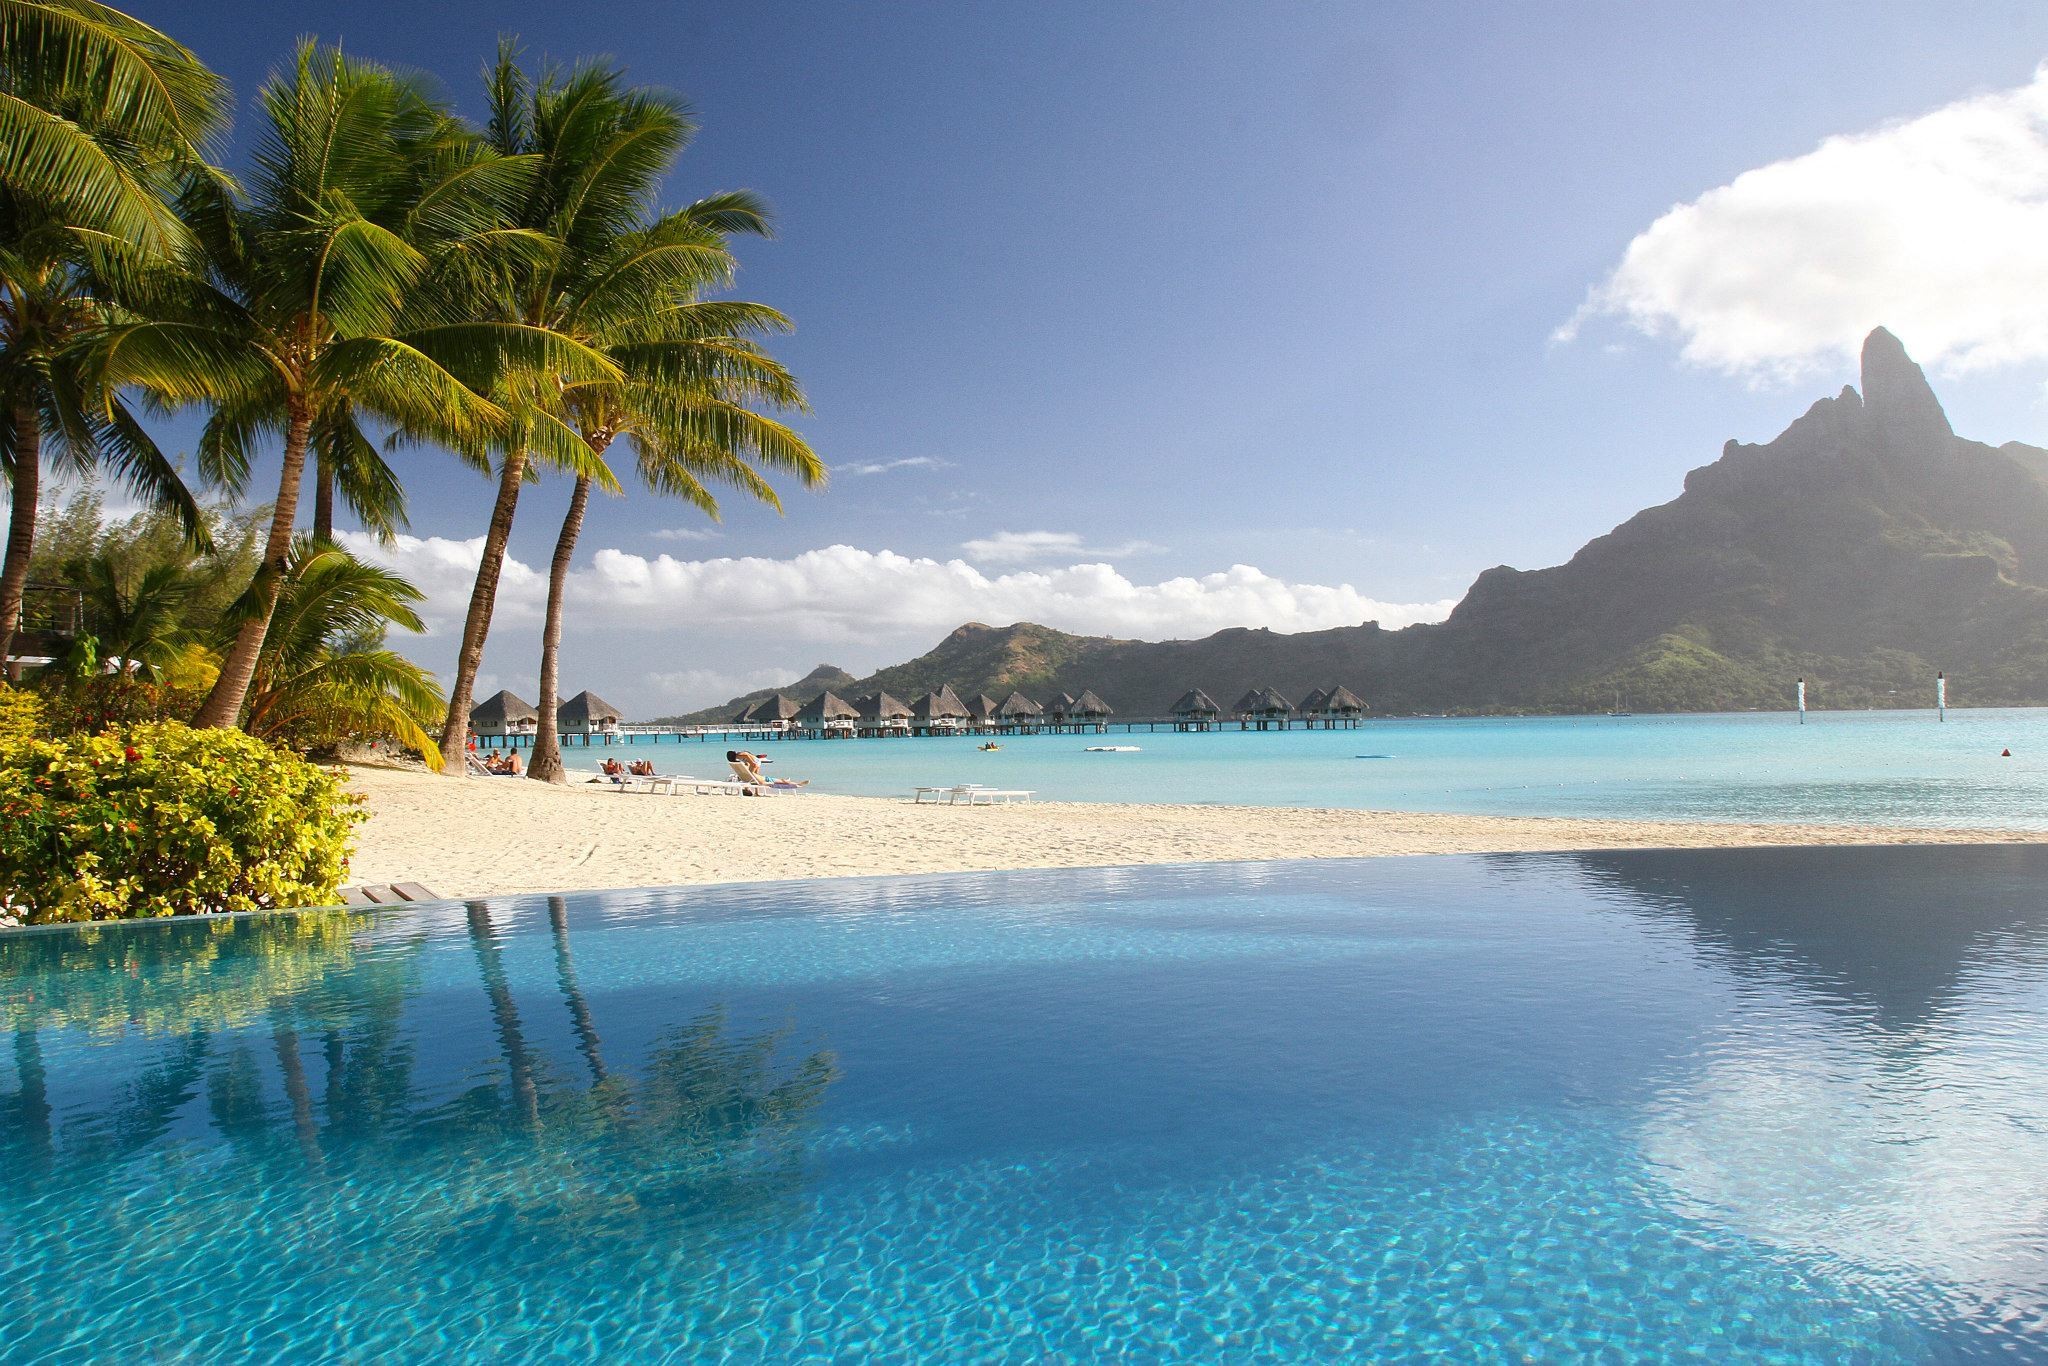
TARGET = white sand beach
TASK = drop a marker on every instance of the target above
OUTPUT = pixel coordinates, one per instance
(475, 837)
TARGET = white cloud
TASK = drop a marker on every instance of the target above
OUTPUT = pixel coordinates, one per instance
(686, 533)
(1024, 547)
(1936, 227)
(912, 462)
(843, 593)
(718, 684)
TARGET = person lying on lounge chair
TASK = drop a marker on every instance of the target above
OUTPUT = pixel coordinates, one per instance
(614, 770)
(641, 768)
(747, 768)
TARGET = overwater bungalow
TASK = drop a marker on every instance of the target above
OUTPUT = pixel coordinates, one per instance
(1263, 709)
(1090, 712)
(1057, 708)
(1338, 708)
(881, 714)
(828, 716)
(1196, 710)
(774, 713)
(586, 714)
(939, 713)
(984, 712)
(1019, 712)
(503, 716)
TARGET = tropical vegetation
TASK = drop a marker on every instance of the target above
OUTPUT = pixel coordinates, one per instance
(625, 280)
(379, 280)
(162, 819)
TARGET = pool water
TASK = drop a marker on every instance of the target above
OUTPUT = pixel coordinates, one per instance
(1896, 768)
(1731, 1105)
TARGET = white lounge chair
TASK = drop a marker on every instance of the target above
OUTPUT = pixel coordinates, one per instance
(989, 796)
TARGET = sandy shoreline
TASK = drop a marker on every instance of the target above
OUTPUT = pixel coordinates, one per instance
(471, 837)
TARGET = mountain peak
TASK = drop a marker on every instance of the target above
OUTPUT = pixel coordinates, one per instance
(1895, 392)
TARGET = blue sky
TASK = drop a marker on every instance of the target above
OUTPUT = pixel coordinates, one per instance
(1177, 289)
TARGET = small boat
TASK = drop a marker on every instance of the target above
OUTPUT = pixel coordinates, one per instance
(989, 748)
(1112, 749)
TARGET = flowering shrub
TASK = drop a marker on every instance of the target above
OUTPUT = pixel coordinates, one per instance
(162, 820)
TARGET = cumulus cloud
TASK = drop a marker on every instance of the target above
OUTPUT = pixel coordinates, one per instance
(913, 462)
(1936, 227)
(843, 593)
(717, 684)
(1024, 547)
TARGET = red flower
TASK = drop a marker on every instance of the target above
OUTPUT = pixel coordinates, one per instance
(129, 752)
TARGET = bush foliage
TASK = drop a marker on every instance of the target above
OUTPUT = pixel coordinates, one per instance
(160, 820)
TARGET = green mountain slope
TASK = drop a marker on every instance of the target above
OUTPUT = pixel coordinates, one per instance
(1864, 548)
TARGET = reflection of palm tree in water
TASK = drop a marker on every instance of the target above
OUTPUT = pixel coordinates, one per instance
(587, 1041)
(31, 1120)
(505, 1015)
(708, 1131)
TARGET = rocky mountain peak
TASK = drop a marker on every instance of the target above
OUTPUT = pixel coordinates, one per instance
(1895, 392)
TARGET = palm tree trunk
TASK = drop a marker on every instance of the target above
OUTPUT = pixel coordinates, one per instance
(33, 1101)
(482, 598)
(587, 1041)
(519, 1068)
(323, 499)
(21, 526)
(223, 706)
(547, 744)
(292, 1070)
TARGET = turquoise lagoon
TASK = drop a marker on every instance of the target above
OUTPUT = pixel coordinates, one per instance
(1724, 1105)
(1880, 768)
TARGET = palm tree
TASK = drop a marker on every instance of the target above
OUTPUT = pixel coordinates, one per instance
(100, 115)
(139, 619)
(599, 150)
(325, 290)
(324, 674)
(623, 279)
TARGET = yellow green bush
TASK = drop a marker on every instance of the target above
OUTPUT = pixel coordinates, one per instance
(162, 820)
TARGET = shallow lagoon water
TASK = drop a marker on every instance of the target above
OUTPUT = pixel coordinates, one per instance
(1852, 768)
(1732, 1104)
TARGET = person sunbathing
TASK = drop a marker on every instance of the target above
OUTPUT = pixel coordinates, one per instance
(641, 768)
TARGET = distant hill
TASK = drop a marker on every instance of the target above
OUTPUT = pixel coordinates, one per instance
(824, 678)
(1864, 548)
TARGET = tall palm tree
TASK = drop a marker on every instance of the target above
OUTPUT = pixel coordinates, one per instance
(323, 291)
(623, 278)
(100, 117)
(599, 149)
(691, 372)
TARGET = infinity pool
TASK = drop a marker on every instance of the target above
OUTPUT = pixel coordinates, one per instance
(1784, 1105)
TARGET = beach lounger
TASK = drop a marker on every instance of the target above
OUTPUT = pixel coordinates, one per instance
(989, 796)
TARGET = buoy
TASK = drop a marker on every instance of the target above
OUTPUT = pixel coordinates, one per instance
(2005, 754)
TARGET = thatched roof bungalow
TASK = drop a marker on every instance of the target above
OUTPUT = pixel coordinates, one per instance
(1312, 705)
(882, 714)
(503, 714)
(1089, 707)
(1263, 709)
(778, 710)
(1019, 710)
(984, 710)
(1058, 708)
(828, 712)
(587, 714)
(1343, 702)
(939, 711)
(1196, 710)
